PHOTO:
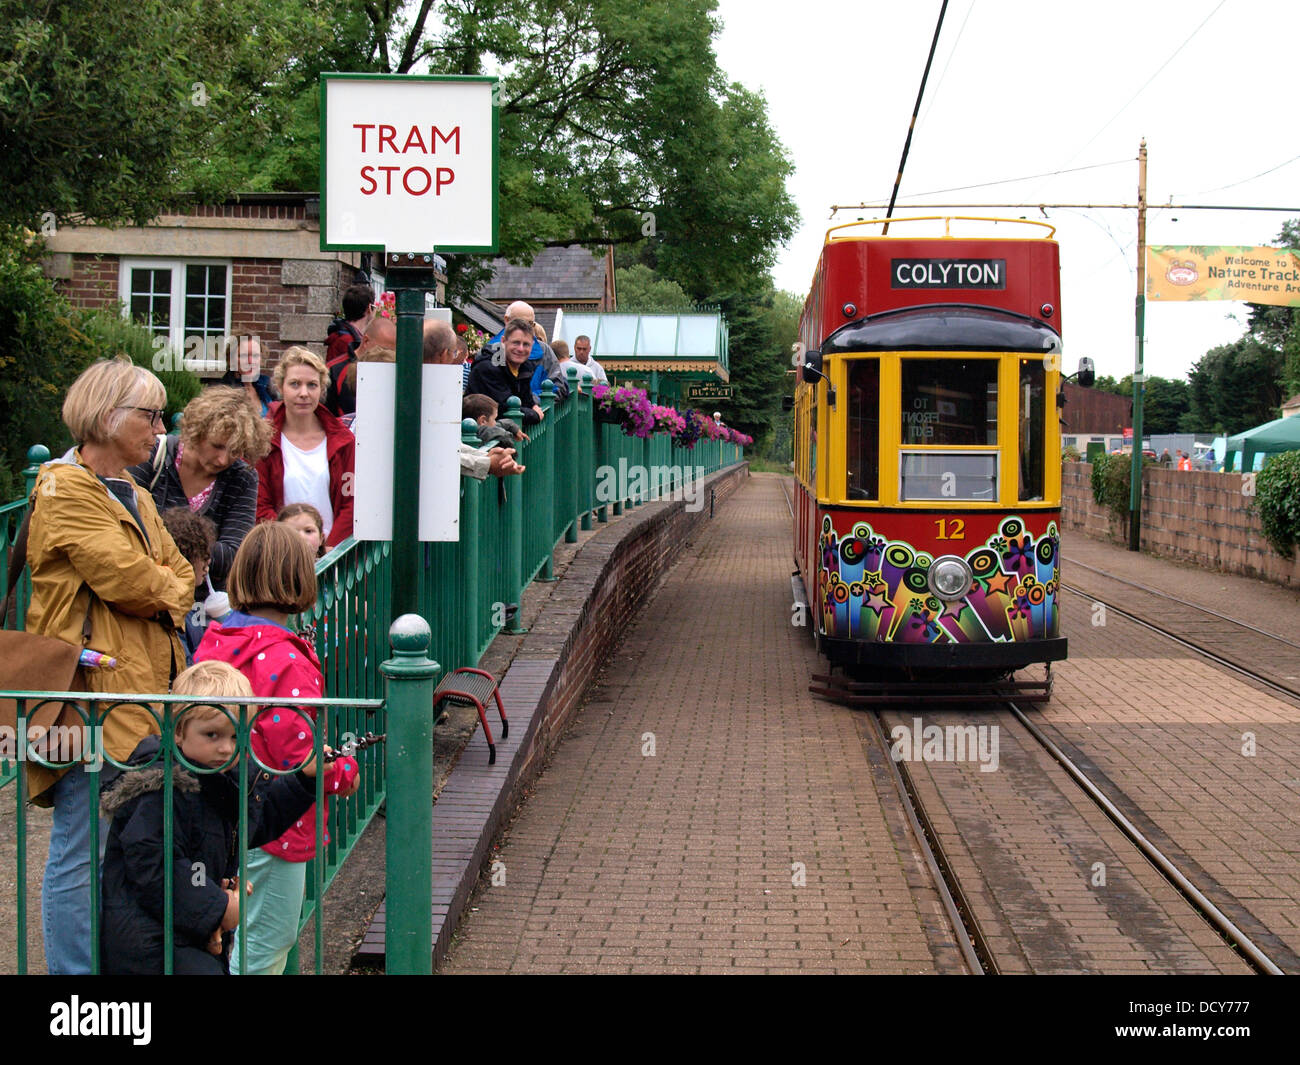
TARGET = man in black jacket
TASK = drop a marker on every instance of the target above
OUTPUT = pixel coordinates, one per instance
(501, 371)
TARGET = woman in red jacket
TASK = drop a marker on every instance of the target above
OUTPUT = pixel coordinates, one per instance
(312, 453)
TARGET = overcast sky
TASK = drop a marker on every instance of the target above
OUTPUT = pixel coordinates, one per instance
(1025, 87)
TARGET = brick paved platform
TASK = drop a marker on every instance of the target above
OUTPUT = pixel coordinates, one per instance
(704, 812)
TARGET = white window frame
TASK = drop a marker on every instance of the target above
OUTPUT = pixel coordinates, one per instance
(176, 329)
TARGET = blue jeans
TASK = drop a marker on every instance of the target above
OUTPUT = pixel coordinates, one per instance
(65, 891)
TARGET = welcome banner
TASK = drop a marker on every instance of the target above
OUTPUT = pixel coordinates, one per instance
(1215, 272)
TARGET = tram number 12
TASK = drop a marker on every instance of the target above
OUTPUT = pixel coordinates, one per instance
(951, 528)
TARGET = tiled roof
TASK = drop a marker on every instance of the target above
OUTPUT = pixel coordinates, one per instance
(571, 273)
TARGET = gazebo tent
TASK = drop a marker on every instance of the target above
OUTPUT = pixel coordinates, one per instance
(1267, 439)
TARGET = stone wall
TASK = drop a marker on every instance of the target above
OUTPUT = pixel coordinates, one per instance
(1201, 518)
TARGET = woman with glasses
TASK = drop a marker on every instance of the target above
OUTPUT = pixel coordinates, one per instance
(107, 576)
(209, 468)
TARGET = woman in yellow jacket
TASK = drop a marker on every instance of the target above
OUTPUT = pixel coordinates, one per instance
(99, 554)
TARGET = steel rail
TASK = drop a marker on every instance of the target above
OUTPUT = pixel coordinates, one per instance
(974, 947)
(1218, 659)
(1257, 958)
(1183, 602)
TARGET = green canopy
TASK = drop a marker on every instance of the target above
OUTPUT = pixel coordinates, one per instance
(1267, 439)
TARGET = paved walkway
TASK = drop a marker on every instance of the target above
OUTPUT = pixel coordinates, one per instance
(705, 813)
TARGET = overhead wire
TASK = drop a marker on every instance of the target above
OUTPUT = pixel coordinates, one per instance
(1244, 181)
(946, 64)
(911, 127)
(1146, 83)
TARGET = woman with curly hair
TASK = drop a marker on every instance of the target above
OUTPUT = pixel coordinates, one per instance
(209, 468)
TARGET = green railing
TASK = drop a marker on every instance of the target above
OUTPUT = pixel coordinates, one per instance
(509, 528)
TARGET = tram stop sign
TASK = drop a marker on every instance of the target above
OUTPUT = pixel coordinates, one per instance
(408, 162)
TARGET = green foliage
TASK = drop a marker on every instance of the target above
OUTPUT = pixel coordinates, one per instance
(113, 111)
(1110, 482)
(763, 322)
(640, 290)
(44, 349)
(1234, 387)
(1111, 476)
(1277, 499)
(113, 335)
(47, 344)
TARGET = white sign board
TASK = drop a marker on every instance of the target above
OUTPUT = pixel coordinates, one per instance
(408, 162)
(438, 449)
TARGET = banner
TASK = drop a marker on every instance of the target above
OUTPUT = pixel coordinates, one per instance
(1215, 272)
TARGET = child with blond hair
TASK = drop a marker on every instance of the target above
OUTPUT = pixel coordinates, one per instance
(204, 860)
(274, 577)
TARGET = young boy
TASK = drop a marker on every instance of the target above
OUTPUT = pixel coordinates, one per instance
(483, 410)
(204, 859)
(194, 535)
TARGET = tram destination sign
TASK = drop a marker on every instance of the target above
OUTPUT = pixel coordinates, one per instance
(948, 273)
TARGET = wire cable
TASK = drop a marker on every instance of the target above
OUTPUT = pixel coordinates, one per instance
(1244, 181)
(946, 64)
(1012, 181)
(1146, 83)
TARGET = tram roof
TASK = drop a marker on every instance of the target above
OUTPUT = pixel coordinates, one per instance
(691, 343)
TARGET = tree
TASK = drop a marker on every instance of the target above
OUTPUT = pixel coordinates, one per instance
(104, 117)
(1234, 387)
(616, 127)
(640, 290)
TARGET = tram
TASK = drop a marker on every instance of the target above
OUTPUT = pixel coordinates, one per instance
(927, 450)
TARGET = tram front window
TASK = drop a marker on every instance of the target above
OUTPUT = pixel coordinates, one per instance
(863, 447)
(950, 402)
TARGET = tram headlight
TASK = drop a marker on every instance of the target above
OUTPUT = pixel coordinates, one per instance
(950, 577)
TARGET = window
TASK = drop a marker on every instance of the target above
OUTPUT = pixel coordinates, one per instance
(1033, 428)
(950, 402)
(185, 303)
(863, 450)
(948, 475)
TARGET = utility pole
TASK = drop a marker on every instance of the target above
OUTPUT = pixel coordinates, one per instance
(1139, 376)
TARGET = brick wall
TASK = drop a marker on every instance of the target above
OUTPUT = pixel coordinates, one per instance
(93, 282)
(1201, 518)
(601, 593)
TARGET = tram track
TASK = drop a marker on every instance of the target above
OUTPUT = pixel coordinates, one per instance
(961, 897)
(1272, 682)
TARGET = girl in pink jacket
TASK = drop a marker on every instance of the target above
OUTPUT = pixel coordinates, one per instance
(273, 576)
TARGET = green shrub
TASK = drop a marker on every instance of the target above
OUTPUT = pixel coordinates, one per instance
(1277, 499)
(113, 335)
(1110, 481)
(44, 350)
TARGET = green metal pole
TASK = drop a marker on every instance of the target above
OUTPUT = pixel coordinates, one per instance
(406, 428)
(470, 568)
(1139, 374)
(408, 937)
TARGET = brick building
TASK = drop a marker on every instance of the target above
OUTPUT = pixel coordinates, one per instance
(249, 267)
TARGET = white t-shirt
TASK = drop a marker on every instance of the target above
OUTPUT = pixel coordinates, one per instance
(307, 478)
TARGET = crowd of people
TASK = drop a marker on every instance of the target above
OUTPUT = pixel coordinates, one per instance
(183, 558)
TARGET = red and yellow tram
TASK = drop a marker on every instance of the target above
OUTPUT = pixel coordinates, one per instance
(927, 448)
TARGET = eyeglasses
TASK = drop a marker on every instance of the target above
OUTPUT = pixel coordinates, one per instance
(155, 414)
